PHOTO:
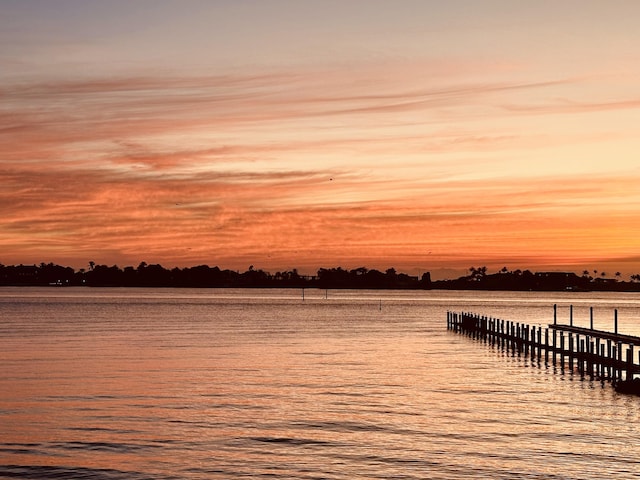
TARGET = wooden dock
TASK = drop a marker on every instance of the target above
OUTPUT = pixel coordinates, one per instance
(607, 356)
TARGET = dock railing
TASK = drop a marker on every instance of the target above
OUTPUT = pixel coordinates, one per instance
(608, 356)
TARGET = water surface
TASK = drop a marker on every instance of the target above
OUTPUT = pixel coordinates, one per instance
(212, 384)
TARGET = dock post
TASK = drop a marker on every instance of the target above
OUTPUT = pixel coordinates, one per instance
(491, 329)
(601, 349)
(532, 341)
(504, 332)
(506, 335)
(485, 329)
(620, 360)
(513, 338)
(555, 313)
(615, 321)
(629, 375)
(562, 351)
(554, 347)
(571, 350)
(591, 317)
(474, 328)
(581, 358)
(599, 356)
(610, 356)
(591, 359)
(586, 355)
(546, 346)
(571, 315)
(539, 343)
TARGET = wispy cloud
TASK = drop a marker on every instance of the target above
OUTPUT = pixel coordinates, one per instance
(290, 166)
(64, 112)
(284, 213)
(566, 106)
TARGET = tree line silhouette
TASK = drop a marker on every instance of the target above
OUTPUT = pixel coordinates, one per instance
(145, 275)
(505, 279)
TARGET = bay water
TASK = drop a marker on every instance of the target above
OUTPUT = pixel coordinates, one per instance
(338, 384)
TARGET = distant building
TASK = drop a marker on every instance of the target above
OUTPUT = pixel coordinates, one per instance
(557, 280)
(27, 271)
(556, 275)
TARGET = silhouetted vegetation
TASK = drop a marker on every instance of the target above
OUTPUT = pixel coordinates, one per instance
(519, 280)
(145, 275)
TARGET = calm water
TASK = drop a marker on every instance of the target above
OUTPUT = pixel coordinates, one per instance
(212, 384)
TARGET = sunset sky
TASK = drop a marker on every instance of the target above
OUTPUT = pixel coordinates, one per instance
(419, 135)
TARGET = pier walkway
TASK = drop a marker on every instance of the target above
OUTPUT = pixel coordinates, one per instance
(608, 356)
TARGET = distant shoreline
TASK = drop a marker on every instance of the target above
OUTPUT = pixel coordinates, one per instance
(622, 288)
(203, 276)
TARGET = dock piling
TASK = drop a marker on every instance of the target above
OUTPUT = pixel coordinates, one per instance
(571, 352)
(571, 315)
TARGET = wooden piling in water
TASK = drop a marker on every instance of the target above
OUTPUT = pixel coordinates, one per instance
(620, 368)
(571, 350)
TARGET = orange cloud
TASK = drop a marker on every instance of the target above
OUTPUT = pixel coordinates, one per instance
(257, 217)
(297, 170)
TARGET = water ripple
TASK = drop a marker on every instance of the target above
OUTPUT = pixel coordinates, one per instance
(39, 472)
